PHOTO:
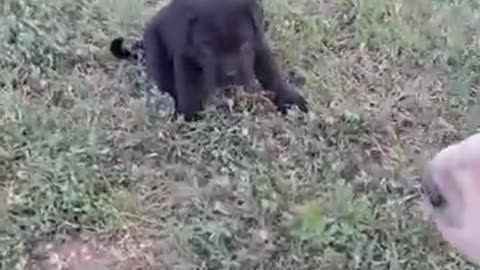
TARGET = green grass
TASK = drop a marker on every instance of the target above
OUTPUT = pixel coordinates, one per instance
(389, 82)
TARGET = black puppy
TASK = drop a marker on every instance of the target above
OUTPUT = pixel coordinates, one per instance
(191, 47)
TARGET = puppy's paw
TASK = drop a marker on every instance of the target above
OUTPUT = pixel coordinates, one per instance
(191, 114)
(193, 117)
(289, 97)
(190, 106)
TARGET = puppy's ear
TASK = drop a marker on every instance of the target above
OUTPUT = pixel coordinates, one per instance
(243, 3)
(191, 24)
(189, 31)
(253, 12)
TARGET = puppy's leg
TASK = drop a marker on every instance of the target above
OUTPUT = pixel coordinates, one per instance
(208, 73)
(269, 75)
(159, 67)
(247, 67)
(189, 95)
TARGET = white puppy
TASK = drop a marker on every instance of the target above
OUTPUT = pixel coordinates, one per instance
(451, 191)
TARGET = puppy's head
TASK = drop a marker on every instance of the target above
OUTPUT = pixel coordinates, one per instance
(234, 65)
(223, 35)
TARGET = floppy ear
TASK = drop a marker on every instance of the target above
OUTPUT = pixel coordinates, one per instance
(235, 4)
(191, 22)
(253, 11)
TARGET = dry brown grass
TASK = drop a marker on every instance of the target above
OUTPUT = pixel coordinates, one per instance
(389, 81)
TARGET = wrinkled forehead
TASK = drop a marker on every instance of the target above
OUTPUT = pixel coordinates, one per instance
(227, 7)
(223, 33)
(222, 15)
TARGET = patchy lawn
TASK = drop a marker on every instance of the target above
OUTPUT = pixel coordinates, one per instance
(92, 178)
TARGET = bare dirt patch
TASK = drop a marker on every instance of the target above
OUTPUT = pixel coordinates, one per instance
(90, 252)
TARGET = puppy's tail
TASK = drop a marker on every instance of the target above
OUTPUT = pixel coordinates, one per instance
(118, 49)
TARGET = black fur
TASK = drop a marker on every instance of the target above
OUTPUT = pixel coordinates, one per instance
(117, 49)
(192, 47)
(136, 52)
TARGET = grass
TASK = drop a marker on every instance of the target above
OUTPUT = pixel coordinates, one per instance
(390, 82)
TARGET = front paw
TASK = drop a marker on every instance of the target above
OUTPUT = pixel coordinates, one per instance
(289, 97)
(191, 109)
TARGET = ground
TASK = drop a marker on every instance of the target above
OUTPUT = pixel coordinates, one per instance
(92, 178)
